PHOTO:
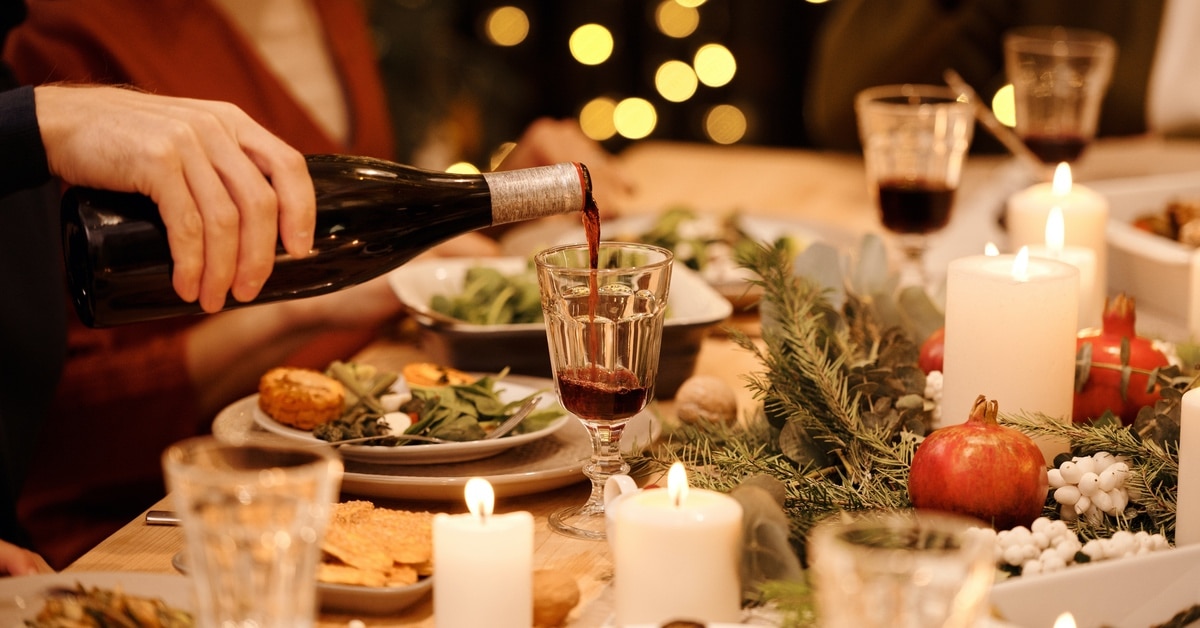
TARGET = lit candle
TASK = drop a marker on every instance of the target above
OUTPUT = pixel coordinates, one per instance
(1010, 335)
(1085, 218)
(483, 564)
(1064, 620)
(1091, 299)
(1187, 493)
(677, 555)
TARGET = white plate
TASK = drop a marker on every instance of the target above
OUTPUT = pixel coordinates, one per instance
(542, 465)
(348, 598)
(22, 597)
(429, 453)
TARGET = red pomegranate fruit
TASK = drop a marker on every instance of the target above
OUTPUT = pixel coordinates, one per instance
(1103, 388)
(980, 469)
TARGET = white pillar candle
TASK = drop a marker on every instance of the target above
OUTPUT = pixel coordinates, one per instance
(1010, 336)
(1091, 298)
(1187, 493)
(677, 555)
(1085, 218)
(483, 565)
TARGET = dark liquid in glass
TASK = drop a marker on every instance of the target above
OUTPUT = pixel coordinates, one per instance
(915, 206)
(1054, 149)
(598, 394)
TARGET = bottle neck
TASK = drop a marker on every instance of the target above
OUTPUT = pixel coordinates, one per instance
(529, 193)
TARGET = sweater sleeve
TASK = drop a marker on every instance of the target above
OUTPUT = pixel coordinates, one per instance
(22, 155)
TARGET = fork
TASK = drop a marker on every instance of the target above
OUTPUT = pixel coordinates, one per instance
(524, 410)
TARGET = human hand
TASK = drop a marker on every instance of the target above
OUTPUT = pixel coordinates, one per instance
(547, 141)
(225, 186)
(18, 561)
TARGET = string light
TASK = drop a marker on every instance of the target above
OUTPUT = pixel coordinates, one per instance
(675, 81)
(676, 20)
(1004, 106)
(506, 26)
(635, 118)
(715, 65)
(591, 44)
(596, 119)
(725, 124)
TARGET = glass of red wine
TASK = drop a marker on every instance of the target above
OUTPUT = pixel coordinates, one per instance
(1059, 77)
(915, 139)
(604, 322)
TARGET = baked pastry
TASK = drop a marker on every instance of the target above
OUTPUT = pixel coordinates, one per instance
(300, 398)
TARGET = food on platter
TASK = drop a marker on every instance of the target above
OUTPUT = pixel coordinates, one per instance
(366, 545)
(300, 398)
(706, 243)
(85, 607)
(351, 400)
(1179, 221)
(491, 297)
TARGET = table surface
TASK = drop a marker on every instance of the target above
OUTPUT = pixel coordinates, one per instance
(824, 189)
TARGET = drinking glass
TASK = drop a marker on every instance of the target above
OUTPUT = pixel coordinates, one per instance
(915, 140)
(604, 327)
(1059, 77)
(902, 569)
(253, 518)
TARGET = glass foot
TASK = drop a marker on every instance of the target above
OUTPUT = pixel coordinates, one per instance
(581, 522)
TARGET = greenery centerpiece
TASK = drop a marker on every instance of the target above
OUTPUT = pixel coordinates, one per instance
(843, 406)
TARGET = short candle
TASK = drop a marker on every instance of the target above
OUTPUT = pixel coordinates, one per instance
(1187, 494)
(1010, 335)
(677, 555)
(483, 564)
(1091, 297)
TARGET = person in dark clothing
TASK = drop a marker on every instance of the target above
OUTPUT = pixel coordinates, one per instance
(225, 186)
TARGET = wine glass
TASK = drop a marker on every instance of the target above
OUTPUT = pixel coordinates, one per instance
(915, 140)
(1059, 77)
(604, 327)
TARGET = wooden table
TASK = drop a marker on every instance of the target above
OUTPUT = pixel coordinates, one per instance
(825, 189)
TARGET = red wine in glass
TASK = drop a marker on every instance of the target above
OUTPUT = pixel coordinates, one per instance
(598, 394)
(914, 206)
(1055, 149)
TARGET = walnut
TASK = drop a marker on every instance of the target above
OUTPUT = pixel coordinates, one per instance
(555, 593)
(706, 398)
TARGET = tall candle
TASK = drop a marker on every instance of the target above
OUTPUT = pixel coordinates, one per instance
(483, 565)
(1091, 298)
(1187, 493)
(677, 555)
(1085, 218)
(1010, 336)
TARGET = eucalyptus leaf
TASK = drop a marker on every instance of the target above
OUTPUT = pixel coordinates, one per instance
(822, 264)
(798, 446)
(872, 273)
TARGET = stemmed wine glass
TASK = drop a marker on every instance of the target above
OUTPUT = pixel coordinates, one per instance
(1059, 77)
(604, 327)
(915, 140)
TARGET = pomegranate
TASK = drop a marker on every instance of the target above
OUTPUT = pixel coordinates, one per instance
(980, 469)
(930, 358)
(1103, 388)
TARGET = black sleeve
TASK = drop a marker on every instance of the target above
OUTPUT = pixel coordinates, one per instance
(22, 155)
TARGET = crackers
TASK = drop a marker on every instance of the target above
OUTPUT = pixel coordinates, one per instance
(375, 547)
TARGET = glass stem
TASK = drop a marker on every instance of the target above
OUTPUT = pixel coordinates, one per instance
(606, 461)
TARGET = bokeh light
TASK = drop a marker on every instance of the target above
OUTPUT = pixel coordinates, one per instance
(676, 20)
(635, 118)
(499, 154)
(462, 167)
(506, 26)
(675, 81)
(596, 119)
(715, 65)
(591, 44)
(1004, 106)
(691, 4)
(725, 124)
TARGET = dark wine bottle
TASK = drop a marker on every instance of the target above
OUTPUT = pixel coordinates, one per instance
(372, 216)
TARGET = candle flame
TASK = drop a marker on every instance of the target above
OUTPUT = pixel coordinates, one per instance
(1061, 186)
(1020, 267)
(480, 498)
(1056, 230)
(991, 250)
(1065, 620)
(677, 484)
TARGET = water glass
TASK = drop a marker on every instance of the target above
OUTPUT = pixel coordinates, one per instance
(253, 519)
(902, 569)
(1059, 77)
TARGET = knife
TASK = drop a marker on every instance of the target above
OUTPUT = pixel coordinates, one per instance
(162, 518)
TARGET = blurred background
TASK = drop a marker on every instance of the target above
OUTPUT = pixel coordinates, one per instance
(466, 76)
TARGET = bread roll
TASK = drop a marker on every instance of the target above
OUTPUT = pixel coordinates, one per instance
(300, 398)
